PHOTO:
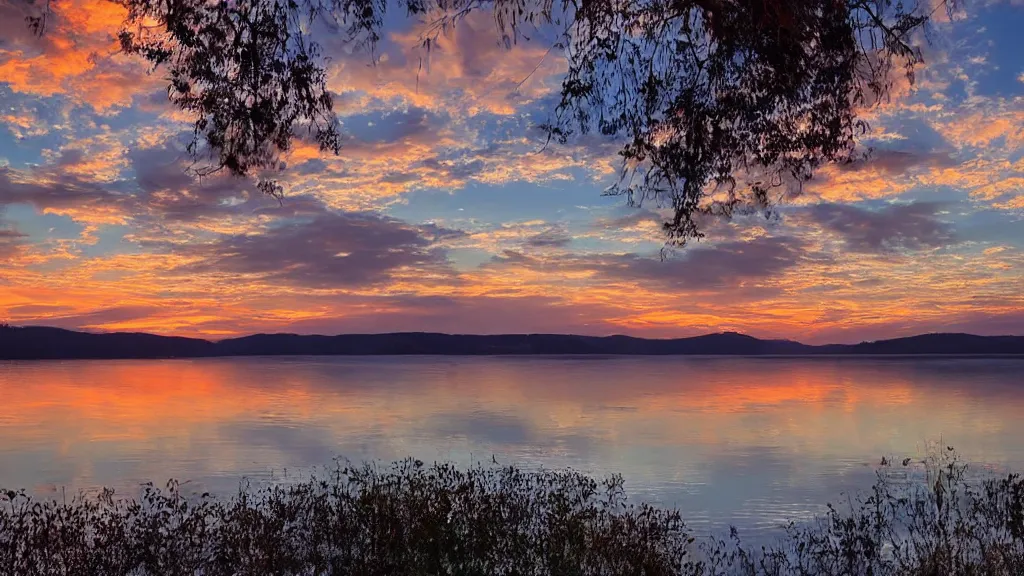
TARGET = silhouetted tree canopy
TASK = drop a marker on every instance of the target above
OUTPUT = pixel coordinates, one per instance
(721, 105)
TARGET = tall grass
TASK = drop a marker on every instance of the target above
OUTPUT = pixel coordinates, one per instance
(415, 519)
(943, 524)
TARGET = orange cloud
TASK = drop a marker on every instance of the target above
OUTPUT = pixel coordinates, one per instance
(466, 71)
(77, 57)
(984, 128)
(1012, 204)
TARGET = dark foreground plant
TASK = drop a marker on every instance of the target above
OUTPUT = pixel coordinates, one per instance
(413, 519)
(943, 524)
(405, 519)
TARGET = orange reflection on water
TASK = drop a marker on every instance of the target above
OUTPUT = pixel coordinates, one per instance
(195, 418)
(131, 400)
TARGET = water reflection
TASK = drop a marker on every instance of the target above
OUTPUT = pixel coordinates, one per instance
(746, 441)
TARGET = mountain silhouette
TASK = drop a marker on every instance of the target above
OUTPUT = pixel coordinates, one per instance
(40, 343)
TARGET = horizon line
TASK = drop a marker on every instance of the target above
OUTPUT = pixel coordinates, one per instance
(499, 334)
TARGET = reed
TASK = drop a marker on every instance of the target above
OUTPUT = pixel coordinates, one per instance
(410, 518)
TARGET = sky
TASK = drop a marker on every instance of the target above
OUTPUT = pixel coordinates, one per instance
(444, 211)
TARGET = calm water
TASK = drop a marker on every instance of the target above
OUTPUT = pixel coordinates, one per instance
(750, 442)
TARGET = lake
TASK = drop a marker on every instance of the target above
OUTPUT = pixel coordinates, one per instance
(751, 442)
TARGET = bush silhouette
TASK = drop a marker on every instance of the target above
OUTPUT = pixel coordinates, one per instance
(417, 519)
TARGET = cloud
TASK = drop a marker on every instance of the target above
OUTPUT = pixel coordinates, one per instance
(467, 71)
(722, 265)
(168, 188)
(898, 162)
(638, 225)
(23, 122)
(37, 310)
(53, 191)
(695, 268)
(634, 219)
(984, 127)
(381, 127)
(10, 242)
(897, 226)
(162, 191)
(882, 173)
(464, 314)
(57, 316)
(1015, 203)
(983, 322)
(332, 250)
(77, 56)
(550, 238)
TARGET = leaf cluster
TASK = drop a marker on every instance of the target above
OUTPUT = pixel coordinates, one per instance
(719, 105)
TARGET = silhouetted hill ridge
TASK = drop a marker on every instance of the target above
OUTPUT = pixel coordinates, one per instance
(40, 342)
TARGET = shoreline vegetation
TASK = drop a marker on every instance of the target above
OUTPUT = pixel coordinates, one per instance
(45, 343)
(924, 518)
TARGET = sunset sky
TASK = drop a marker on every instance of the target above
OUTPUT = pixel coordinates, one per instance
(444, 213)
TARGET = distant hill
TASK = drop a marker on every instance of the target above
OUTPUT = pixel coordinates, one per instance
(431, 343)
(944, 344)
(43, 343)
(40, 343)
